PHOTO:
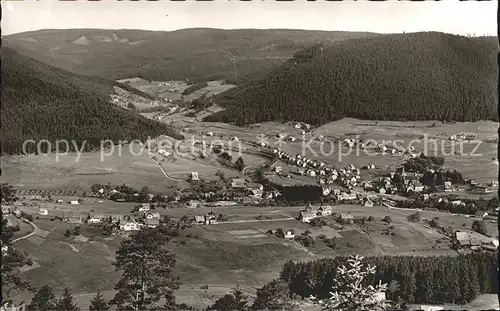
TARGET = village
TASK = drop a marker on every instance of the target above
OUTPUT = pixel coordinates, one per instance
(310, 187)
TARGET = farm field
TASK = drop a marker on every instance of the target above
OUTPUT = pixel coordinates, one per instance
(477, 164)
(71, 172)
(173, 89)
(78, 172)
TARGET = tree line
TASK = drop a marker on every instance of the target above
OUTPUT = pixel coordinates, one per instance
(417, 76)
(414, 279)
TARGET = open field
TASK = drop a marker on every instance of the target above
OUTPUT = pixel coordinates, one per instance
(78, 172)
(71, 172)
(173, 89)
(88, 206)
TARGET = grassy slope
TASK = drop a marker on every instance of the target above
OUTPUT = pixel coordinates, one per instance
(200, 53)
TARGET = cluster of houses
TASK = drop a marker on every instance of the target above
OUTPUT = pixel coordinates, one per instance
(253, 190)
(312, 212)
(144, 218)
(462, 137)
(209, 219)
(397, 150)
(398, 181)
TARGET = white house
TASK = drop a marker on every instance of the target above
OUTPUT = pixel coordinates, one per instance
(129, 226)
(368, 202)
(95, 219)
(306, 216)
(325, 210)
(74, 202)
(43, 212)
(194, 176)
(289, 234)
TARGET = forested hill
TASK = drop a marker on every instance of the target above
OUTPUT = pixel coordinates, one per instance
(43, 102)
(417, 76)
(197, 54)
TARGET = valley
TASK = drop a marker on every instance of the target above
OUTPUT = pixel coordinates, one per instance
(264, 159)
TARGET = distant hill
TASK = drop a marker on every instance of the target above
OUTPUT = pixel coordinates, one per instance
(417, 76)
(44, 102)
(196, 54)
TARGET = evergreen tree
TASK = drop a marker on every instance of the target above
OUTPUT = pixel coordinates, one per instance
(65, 302)
(234, 301)
(239, 164)
(44, 300)
(273, 296)
(98, 303)
(147, 270)
(349, 292)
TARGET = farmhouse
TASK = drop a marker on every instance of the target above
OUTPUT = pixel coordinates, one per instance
(289, 234)
(18, 213)
(194, 176)
(327, 191)
(447, 186)
(43, 212)
(95, 219)
(129, 226)
(34, 197)
(254, 186)
(368, 202)
(151, 215)
(347, 217)
(343, 197)
(256, 193)
(462, 238)
(152, 222)
(325, 210)
(193, 204)
(306, 216)
(481, 214)
(73, 219)
(200, 219)
(278, 169)
(238, 183)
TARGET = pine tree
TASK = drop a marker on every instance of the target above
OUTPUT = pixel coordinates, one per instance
(43, 300)
(349, 292)
(98, 303)
(65, 302)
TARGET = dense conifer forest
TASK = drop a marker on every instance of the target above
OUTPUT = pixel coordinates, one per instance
(43, 102)
(417, 76)
(414, 279)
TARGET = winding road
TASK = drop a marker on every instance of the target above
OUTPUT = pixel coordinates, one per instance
(165, 173)
(32, 233)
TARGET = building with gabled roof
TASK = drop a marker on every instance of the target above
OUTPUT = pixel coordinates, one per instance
(307, 216)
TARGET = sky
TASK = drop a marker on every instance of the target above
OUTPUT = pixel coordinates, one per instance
(451, 16)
